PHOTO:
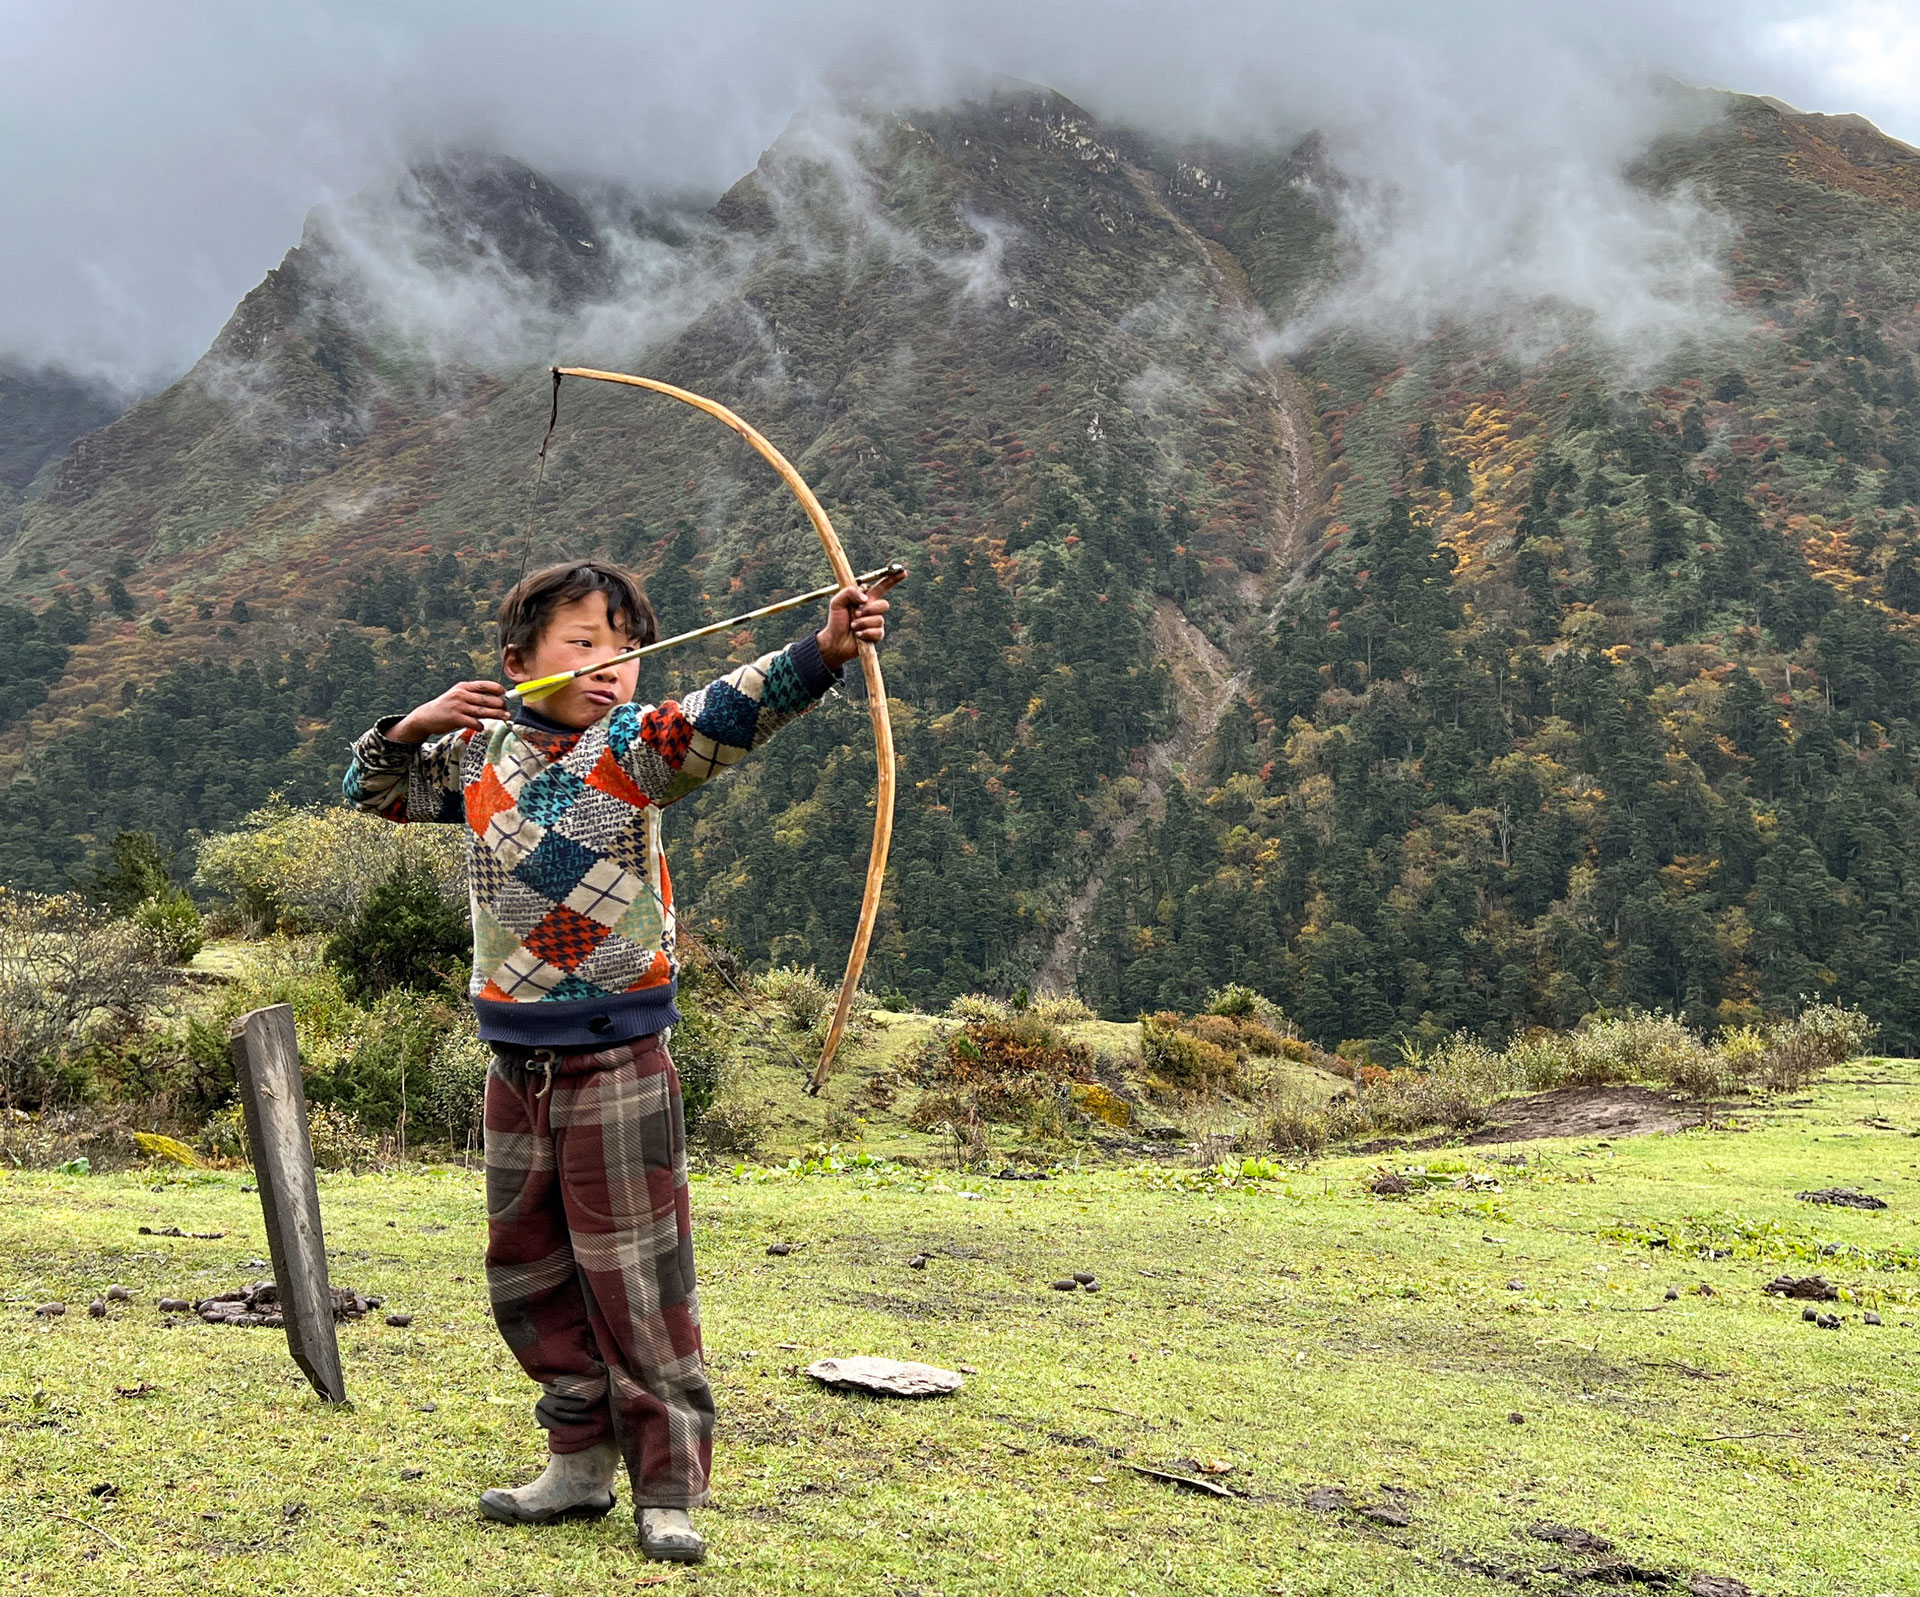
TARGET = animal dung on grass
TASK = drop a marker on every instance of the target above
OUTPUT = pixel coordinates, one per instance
(1816, 1287)
(779, 1250)
(119, 1294)
(48, 1311)
(98, 1308)
(886, 1377)
(917, 1262)
(259, 1305)
(1572, 1537)
(1842, 1198)
(173, 1305)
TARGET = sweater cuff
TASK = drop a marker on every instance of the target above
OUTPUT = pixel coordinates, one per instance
(373, 750)
(816, 676)
(385, 725)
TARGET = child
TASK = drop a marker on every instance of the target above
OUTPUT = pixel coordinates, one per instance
(589, 1246)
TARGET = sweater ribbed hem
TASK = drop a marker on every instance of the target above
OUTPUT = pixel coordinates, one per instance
(579, 1022)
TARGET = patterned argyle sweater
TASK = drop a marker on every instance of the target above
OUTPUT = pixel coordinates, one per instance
(573, 939)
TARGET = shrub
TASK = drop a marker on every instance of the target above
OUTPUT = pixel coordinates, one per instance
(1062, 1009)
(224, 1136)
(1639, 1046)
(1462, 1067)
(1821, 1035)
(734, 1125)
(959, 1115)
(1742, 1047)
(1299, 1123)
(1011, 1068)
(137, 869)
(1219, 1030)
(303, 870)
(174, 923)
(1833, 1031)
(800, 999)
(977, 1006)
(456, 1085)
(359, 1058)
(405, 935)
(1243, 1003)
(1181, 1058)
(1537, 1061)
(340, 1142)
(73, 977)
(701, 1055)
(1232, 999)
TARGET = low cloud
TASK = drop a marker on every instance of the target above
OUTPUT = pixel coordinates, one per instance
(156, 161)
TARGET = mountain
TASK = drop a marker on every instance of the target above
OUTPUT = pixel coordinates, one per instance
(1422, 682)
(42, 411)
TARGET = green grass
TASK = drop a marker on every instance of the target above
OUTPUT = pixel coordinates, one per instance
(1304, 1330)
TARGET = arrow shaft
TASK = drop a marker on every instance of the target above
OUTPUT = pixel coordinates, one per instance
(543, 687)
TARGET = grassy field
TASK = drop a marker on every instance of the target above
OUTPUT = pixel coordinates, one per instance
(1300, 1329)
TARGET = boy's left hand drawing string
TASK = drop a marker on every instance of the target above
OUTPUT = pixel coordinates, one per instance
(869, 657)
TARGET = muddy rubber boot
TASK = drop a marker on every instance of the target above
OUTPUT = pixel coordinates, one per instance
(572, 1486)
(668, 1534)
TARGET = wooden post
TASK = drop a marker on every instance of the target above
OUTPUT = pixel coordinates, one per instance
(266, 1058)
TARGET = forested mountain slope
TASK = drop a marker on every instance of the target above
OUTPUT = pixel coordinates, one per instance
(1549, 687)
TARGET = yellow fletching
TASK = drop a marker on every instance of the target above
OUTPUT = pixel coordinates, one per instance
(541, 688)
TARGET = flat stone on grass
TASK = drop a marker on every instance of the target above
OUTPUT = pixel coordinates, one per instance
(886, 1377)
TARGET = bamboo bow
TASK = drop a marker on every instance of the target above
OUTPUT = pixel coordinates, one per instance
(869, 665)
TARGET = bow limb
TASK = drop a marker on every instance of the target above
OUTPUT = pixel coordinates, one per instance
(869, 667)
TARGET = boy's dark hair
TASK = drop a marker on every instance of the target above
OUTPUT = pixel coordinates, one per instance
(525, 612)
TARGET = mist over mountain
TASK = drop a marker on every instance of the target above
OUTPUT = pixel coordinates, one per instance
(153, 169)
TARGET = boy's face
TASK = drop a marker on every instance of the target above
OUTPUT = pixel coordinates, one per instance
(578, 633)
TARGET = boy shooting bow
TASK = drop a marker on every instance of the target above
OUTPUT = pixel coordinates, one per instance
(589, 1244)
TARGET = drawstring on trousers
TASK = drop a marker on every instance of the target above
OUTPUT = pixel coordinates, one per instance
(542, 1061)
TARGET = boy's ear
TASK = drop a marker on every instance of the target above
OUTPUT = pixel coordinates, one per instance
(512, 663)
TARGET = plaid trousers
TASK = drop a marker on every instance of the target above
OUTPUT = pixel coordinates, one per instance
(590, 1258)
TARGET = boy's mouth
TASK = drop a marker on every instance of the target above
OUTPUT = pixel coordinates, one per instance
(601, 698)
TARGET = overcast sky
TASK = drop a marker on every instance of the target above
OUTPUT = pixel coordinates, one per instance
(157, 156)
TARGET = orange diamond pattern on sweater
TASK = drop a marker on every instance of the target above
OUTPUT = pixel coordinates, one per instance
(666, 730)
(486, 798)
(565, 938)
(610, 779)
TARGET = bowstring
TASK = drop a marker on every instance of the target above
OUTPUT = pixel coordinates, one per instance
(540, 476)
(710, 961)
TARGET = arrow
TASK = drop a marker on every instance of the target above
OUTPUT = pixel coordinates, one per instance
(545, 687)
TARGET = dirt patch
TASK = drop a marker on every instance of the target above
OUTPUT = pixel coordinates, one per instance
(1588, 1112)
